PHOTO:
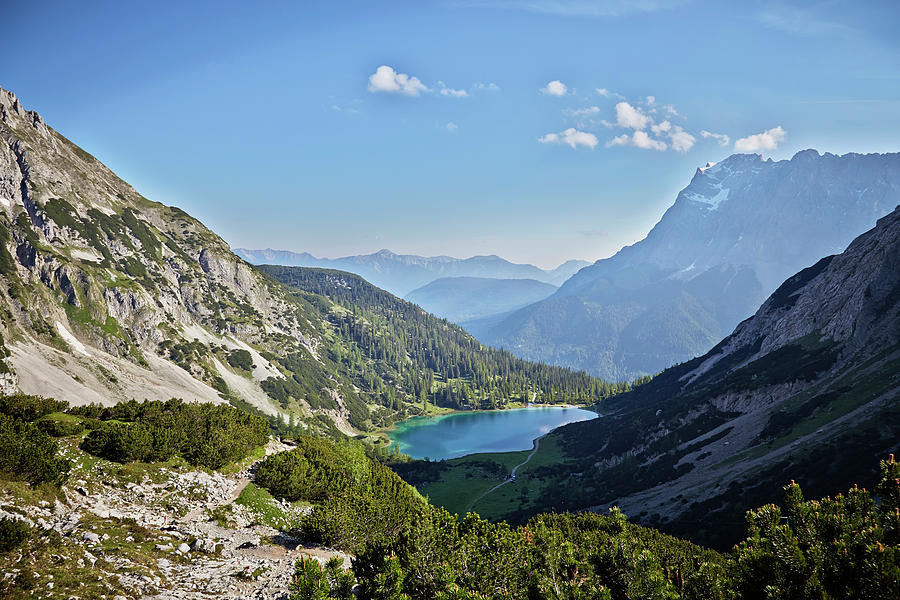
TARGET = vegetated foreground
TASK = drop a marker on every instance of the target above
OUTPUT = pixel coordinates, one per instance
(73, 523)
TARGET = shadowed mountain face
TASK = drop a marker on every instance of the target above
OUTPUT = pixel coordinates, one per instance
(730, 238)
(807, 389)
(461, 299)
(400, 274)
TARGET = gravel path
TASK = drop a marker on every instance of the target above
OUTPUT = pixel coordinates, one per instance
(512, 474)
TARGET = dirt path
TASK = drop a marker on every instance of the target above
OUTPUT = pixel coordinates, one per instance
(197, 513)
(512, 474)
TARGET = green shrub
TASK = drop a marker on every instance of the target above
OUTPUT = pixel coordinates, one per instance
(240, 359)
(358, 500)
(59, 428)
(30, 408)
(842, 547)
(313, 582)
(124, 442)
(206, 435)
(29, 454)
(13, 533)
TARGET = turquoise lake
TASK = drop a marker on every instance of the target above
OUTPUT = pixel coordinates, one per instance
(459, 434)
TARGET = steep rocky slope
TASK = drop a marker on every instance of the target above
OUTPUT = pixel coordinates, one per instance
(807, 389)
(740, 228)
(107, 295)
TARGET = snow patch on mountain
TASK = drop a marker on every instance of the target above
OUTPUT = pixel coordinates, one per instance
(712, 202)
(71, 340)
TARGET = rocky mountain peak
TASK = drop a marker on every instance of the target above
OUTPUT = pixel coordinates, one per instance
(731, 237)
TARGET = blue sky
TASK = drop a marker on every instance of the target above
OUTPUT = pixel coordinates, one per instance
(539, 130)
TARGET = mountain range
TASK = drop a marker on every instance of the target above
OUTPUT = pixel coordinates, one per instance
(733, 234)
(400, 274)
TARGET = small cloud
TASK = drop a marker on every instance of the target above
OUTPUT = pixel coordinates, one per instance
(555, 88)
(767, 140)
(670, 111)
(446, 91)
(581, 112)
(603, 92)
(630, 117)
(650, 101)
(723, 139)
(639, 139)
(487, 87)
(452, 127)
(349, 107)
(386, 79)
(571, 137)
(661, 128)
(681, 140)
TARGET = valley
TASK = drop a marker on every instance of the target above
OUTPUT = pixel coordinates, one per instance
(183, 420)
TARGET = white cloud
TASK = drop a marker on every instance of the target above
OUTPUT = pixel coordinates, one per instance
(571, 137)
(661, 128)
(452, 127)
(767, 140)
(723, 139)
(651, 100)
(630, 117)
(446, 91)
(386, 79)
(603, 92)
(581, 112)
(639, 139)
(681, 140)
(642, 140)
(555, 88)
(489, 87)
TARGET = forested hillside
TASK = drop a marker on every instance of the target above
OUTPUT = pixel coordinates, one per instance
(428, 359)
